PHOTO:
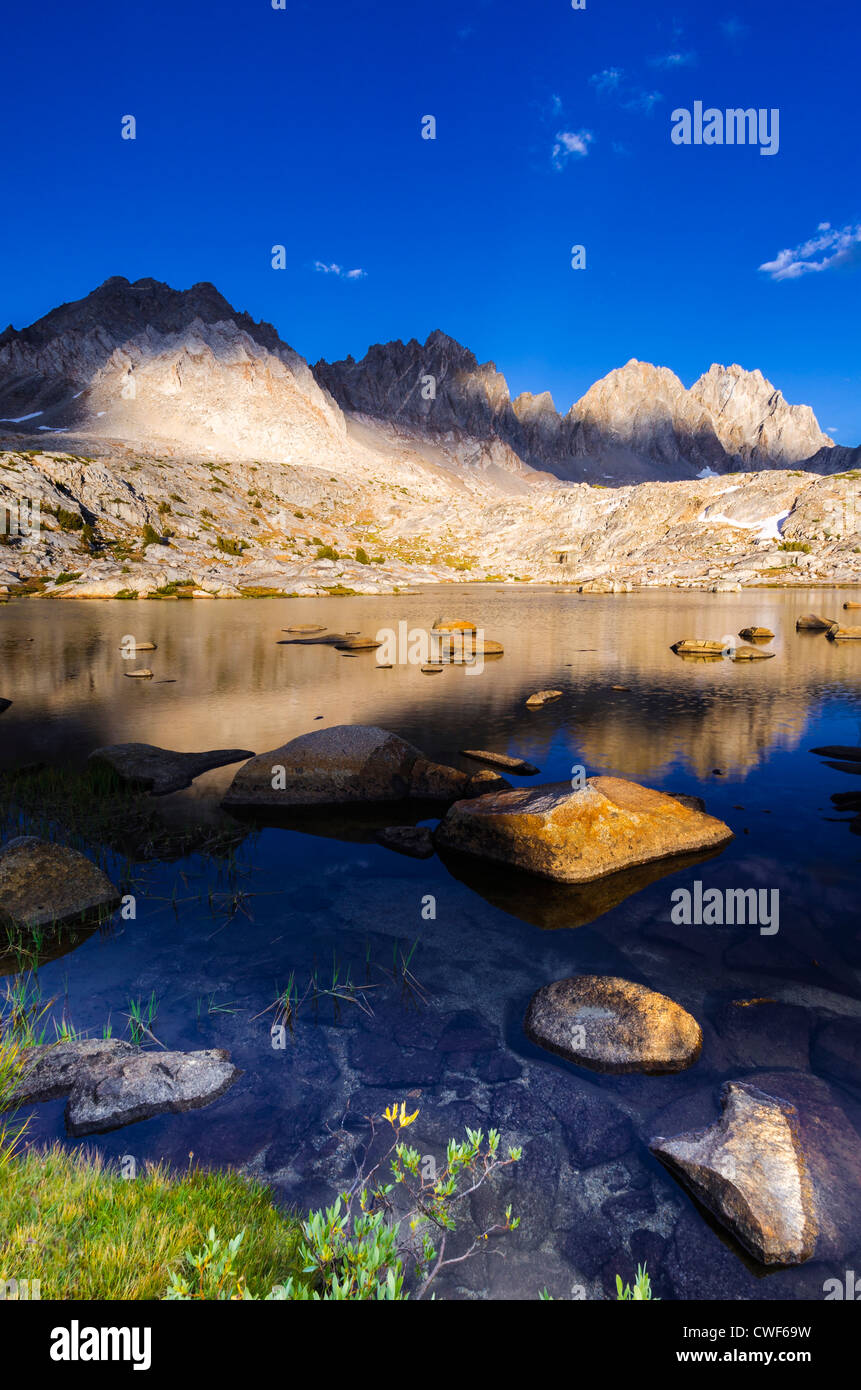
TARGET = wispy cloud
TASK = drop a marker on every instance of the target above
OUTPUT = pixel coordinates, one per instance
(832, 246)
(674, 60)
(610, 82)
(570, 144)
(643, 101)
(607, 80)
(339, 271)
(733, 28)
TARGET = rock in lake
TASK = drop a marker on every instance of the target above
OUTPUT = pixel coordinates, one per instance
(435, 782)
(750, 1170)
(454, 625)
(844, 634)
(133, 1088)
(577, 836)
(358, 644)
(811, 622)
(111, 1083)
(160, 770)
(756, 634)
(480, 783)
(305, 627)
(145, 674)
(845, 751)
(541, 697)
(613, 1025)
(746, 653)
(516, 765)
(347, 763)
(48, 885)
(852, 605)
(4, 705)
(694, 646)
(414, 840)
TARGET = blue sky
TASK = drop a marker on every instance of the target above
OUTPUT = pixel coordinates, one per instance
(302, 127)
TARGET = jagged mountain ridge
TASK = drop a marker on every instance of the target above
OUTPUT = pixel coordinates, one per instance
(146, 362)
(636, 420)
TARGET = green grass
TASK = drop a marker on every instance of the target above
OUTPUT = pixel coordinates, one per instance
(90, 809)
(72, 1222)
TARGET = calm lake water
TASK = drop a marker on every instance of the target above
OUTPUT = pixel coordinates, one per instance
(217, 945)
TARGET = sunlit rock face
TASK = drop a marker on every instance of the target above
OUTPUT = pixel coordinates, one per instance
(637, 422)
(613, 1025)
(578, 836)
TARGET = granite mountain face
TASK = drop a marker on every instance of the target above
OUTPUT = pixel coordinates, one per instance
(638, 422)
(171, 441)
(145, 362)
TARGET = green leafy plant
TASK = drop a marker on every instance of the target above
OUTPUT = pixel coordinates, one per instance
(359, 1249)
(641, 1291)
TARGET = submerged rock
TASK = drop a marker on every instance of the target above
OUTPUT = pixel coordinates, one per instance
(305, 627)
(576, 836)
(519, 766)
(145, 674)
(347, 763)
(613, 1025)
(161, 770)
(750, 1170)
(414, 840)
(454, 625)
(48, 885)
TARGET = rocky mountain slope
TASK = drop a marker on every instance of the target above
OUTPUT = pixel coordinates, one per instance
(172, 442)
(637, 422)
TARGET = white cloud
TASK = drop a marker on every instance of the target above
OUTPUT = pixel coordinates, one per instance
(831, 247)
(568, 143)
(608, 80)
(674, 60)
(339, 271)
(643, 101)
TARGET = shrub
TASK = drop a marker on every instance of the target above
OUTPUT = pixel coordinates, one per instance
(227, 546)
(151, 536)
(69, 521)
(325, 552)
(355, 1250)
(362, 556)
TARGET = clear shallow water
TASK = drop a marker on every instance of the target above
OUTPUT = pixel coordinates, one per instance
(592, 1199)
